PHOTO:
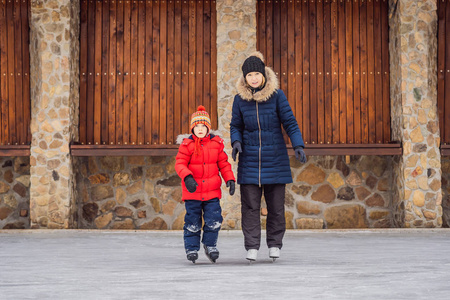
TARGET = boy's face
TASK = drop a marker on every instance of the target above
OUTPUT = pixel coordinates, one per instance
(254, 79)
(200, 130)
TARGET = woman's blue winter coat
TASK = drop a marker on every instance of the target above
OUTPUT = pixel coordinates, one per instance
(256, 123)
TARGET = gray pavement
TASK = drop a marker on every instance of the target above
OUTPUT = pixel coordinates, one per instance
(326, 264)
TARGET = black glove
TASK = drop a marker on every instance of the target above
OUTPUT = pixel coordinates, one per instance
(190, 183)
(232, 185)
(300, 154)
(236, 148)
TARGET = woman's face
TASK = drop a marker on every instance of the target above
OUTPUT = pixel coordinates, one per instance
(200, 130)
(254, 79)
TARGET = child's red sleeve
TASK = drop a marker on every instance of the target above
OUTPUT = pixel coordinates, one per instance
(225, 166)
(181, 162)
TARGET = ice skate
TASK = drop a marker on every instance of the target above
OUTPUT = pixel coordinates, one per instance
(251, 255)
(274, 253)
(192, 255)
(212, 253)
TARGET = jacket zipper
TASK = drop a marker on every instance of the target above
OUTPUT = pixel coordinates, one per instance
(259, 127)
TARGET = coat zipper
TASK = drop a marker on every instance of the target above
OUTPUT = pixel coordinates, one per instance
(259, 127)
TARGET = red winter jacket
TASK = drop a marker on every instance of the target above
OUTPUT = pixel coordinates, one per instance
(204, 167)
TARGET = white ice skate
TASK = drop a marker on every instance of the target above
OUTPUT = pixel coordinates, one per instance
(274, 253)
(252, 254)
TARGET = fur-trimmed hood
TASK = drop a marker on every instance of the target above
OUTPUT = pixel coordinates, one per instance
(263, 95)
(183, 136)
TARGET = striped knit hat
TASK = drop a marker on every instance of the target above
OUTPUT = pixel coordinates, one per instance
(200, 117)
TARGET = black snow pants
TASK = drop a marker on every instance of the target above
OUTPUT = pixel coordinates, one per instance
(251, 211)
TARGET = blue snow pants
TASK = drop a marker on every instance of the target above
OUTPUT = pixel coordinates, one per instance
(212, 216)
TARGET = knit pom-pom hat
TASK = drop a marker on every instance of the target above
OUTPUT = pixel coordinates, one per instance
(200, 117)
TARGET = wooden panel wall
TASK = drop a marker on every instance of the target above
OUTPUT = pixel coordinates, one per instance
(332, 60)
(15, 108)
(145, 66)
(444, 70)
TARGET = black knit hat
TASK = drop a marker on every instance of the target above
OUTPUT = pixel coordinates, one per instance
(254, 64)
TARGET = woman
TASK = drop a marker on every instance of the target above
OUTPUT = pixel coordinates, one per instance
(259, 110)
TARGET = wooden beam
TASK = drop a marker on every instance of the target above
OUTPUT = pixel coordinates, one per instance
(15, 150)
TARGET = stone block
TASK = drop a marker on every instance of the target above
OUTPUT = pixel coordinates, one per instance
(5, 212)
(309, 223)
(324, 194)
(375, 200)
(301, 190)
(101, 192)
(134, 188)
(307, 208)
(90, 211)
(346, 216)
(346, 193)
(103, 221)
(123, 211)
(362, 193)
(127, 224)
(179, 222)
(311, 175)
(101, 178)
(108, 206)
(155, 224)
(335, 180)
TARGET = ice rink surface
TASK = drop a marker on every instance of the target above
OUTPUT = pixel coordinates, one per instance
(325, 264)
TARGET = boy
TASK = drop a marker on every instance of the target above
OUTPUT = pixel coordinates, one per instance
(199, 159)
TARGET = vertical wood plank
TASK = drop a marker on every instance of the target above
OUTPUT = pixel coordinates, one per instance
(334, 73)
(283, 48)
(378, 83)
(370, 68)
(126, 73)
(291, 54)
(90, 108)
(446, 135)
(18, 73)
(313, 72)
(207, 55)
(385, 71)
(97, 73)
(156, 74)
(349, 70)
(141, 73)
(441, 67)
(185, 67)
(298, 65)
(163, 76)
(105, 73)
(320, 75)
(363, 70)
(120, 71)
(261, 27)
(177, 82)
(328, 139)
(306, 74)
(342, 73)
(83, 71)
(193, 69)
(26, 133)
(11, 73)
(214, 116)
(170, 71)
(134, 75)
(112, 72)
(199, 56)
(4, 75)
(269, 34)
(148, 71)
(277, 40)
(356, 72)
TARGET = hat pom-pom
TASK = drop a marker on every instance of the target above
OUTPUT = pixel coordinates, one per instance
(201, 108)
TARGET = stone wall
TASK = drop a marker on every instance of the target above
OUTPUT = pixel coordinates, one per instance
(340, 192)
(413, 49)
(129, 193)
(14, 192)
(54, 27)
(145, 193)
